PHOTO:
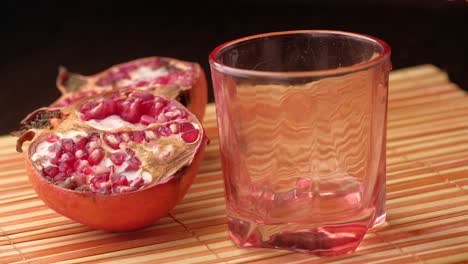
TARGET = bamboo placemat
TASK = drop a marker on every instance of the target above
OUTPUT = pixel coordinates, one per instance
(427, 185)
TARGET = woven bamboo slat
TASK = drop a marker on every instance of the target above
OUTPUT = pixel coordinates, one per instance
(427, 198)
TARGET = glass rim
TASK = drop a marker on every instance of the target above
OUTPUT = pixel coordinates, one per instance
(217, 64)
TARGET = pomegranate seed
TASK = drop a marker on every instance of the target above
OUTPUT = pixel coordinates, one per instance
(163, 131)
(162, 80)
(112, 140)
(63, 166)
(81, 154)
(96, 156)
(184, 127)
(130, 152)
(129, 67)
(57, 157)
(137, 182)
(108, 107)
(190, 136)
(154, 108)
(51, 171)
(69, 159)
(162, 119)
(92, 145)
(174, 129)
(81, 143)
(101, 183)
(88, 171)
(146, 119)
(61, 176)
(68, 145)
(133, 164)
(149, 135)
(171, 115)
(94, 137)
(118, 158)
(130, 111)
(138, 136)
(118, 180)
(124, 136)
(80, 165)
(51, 138)
(142, 84)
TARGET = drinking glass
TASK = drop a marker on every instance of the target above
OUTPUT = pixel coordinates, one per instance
(302, 129)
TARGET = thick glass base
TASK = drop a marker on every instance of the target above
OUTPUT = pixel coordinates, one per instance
(327, 240)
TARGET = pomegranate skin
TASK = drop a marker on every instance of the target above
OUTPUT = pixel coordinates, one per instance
(198, 97)
(119, 212)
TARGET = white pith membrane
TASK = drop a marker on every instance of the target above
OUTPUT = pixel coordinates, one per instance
(158, 155)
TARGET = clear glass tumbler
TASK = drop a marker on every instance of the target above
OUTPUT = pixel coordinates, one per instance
(302, 130)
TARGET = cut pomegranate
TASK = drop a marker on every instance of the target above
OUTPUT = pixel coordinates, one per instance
(176, 79)
(113, 145)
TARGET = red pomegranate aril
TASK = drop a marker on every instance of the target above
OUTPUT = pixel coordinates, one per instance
(91, 110)
(133, 164)
(51, 171)
(154, 107)
(88, 171)
(63, 166)
(142, 84)
(68, 145)
(99, 179)
(81, 143)
(51, 138)
(112, 140)
(137, 182)
(96, 156)
(68, 158)
(57, 157)
(130, 152)
(118, 158)
(118, 180)
(92, 145)
(101, 183)
(109, 107)
(129, 110)
(191, 136)
(80, 165)
(146, 119)
(163, 80)
(138, 136)
(184, 127)
(163, 131)
(81, 154)
(61, 176)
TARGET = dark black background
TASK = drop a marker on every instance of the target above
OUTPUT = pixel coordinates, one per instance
(88, 37)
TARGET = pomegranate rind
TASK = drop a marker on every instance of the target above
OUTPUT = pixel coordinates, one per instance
(120, 212)
(72, 84)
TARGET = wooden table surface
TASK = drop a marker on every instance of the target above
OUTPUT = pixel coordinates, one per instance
(427, 200)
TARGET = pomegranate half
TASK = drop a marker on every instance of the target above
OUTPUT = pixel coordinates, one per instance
(115, 161)
(177, 79)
